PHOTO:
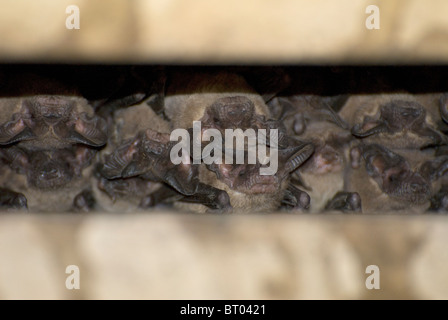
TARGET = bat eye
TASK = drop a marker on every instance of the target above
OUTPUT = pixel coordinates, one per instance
(156, 150)
(216, 120)
(392, 178)
(242, 173)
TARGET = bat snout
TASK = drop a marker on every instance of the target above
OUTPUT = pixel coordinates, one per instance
(236, 114)
(50, 175)
(417, 190)
(51, 115)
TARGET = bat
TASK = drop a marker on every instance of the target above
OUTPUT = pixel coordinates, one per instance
(141, 160)
(250, 191)
(10, 200)
(387, 180)
(434, 170)
(49, 121)
(187, 96)
(47, 180)
(226, 110)
(313, 118)
(301, 111)
(397, 121)
(323, 176)
(226, 101)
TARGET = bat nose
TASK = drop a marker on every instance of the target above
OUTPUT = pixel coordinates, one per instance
(50, 173)
(419, 188)
(51, 115)
(237, 113)
(412, 113)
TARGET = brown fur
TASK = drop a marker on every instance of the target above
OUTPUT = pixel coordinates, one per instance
(186, 101)
(358, 107)
(128, 122)
(374, 199)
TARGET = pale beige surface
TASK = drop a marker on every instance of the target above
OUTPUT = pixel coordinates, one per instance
(186, 256)
(233, 31)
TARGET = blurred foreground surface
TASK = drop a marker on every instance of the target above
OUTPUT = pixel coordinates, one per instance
(181, 256)
(213, 31)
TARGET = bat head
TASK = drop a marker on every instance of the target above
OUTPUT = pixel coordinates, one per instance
(148, 155)
(395, 116)
(53, 119)
(237, 112)
(248, 178)
(394, 175)
(49, 109)
(49, 171)
(401, 114)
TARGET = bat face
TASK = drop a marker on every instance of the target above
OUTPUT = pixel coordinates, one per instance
(246, 178)
(121, 188)
(148, 155)
(300, 112)
(325, 159)
(48, 170)
(399, 115)
(53, 121)
(236, 112)
(394, 175)
(345, 201)
(396, 117)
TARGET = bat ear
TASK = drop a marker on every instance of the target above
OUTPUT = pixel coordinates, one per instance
(296, 198)
(283, 107)
(186, 182)
(376, 159)
(133, 169)
(443, 107)
(214, 168)
(330, 114)
(14, 131)
(12, 200)
(16, 158)
(91, 131)
(345, 201)
(26, 134)
(296, 156)
(434, 169)
(120, 159)
(83, 158)
(157, 136)
(436, 138)
(368, 128)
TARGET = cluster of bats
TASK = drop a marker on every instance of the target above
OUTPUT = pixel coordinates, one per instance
(62, 150)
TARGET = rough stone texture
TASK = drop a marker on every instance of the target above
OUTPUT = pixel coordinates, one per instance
(184, 256)
(233, 31)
